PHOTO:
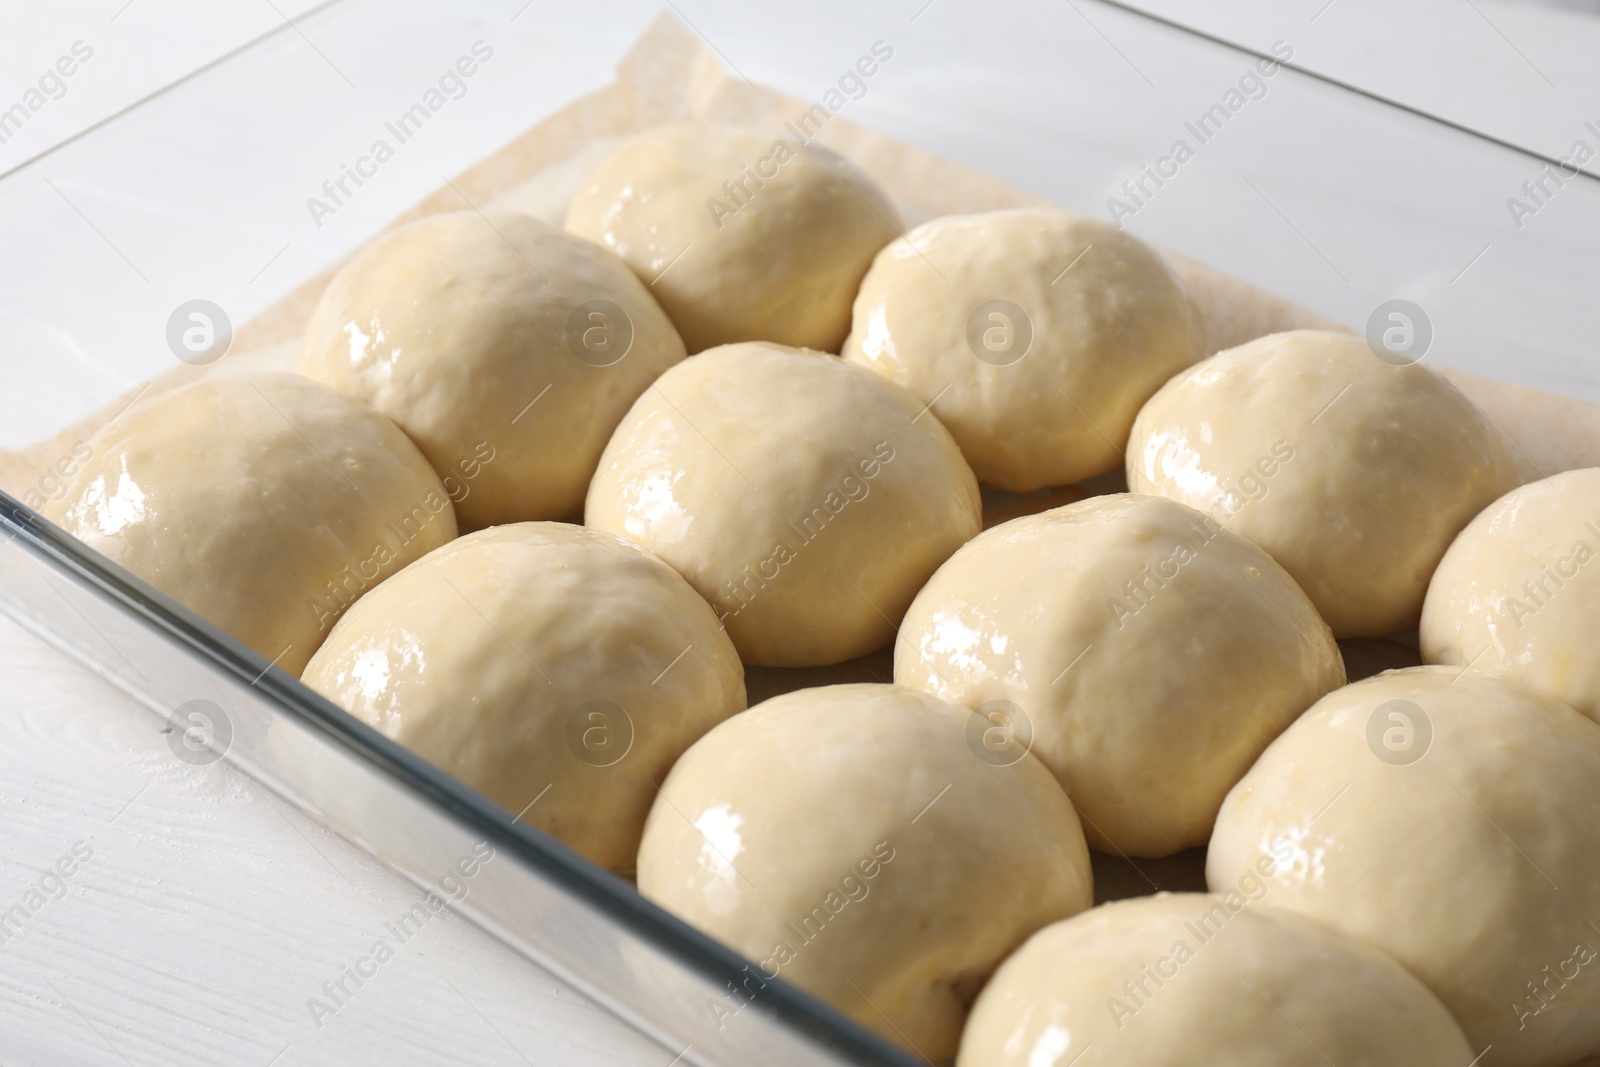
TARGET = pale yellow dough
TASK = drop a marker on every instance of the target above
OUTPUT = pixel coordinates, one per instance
(1042, 392)
(264, 504)
(807, 499)
(1147, 654)
(1518, 593)
(742, 234)
(1177, 980)
(1388, 464)
(1449, 818)
(849, 840)
(505, 348)
(558, 670)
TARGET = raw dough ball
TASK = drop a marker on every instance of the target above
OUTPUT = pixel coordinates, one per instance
(543, 664)
(1435, 813)
(264, 504)
(1146, 653)
(742, 235)
(1035, 334)
(1353, 473)
(1167, 980)
(807, 499)
(849, 840)
(1518, 593)
(507, 349)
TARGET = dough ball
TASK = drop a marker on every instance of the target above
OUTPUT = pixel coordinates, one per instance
(1353, 473)
(1450, 819)
(849, 840)
(807, 499)
(264, 504)
(1184, 979)
(743, 235)
(507, 349)
(1146, 654)
(1035, 334)
(1518, 593)
(558, 670)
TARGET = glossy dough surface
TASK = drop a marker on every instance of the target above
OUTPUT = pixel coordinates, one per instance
(264, 504)
(543, 664)
(1148, 653)
(741, 235)
(1518, 593)
(849, 840)
(1042, 392)
(1175, 980)
(1476, 864)
(807, 499)
(1388, 464)
(505, 348)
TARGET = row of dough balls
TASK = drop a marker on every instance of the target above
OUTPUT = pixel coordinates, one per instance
(792, 508)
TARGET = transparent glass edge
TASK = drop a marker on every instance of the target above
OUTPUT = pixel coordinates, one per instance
(1244, 50)
(824, 1030)
(292, 30)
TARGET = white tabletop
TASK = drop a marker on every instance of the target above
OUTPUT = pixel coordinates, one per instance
(207, 913)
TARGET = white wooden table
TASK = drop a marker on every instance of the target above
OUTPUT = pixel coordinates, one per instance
(206, 913)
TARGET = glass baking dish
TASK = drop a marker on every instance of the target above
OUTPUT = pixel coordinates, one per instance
(1332, 199)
